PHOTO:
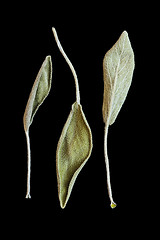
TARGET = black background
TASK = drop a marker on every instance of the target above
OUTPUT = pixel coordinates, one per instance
(87, 32)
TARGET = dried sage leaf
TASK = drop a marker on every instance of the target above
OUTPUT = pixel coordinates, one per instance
(73, 150)
(39, 92)
(75, 144)
(118, 67)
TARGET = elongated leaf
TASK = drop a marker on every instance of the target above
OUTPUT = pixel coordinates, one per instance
(73, 150)
(39, 92)
(118, 66)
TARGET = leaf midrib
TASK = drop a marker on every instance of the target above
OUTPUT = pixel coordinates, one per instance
(111, 107)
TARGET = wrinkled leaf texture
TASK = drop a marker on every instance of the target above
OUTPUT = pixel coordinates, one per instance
(39, 92)
(118, 67)
(73, 150)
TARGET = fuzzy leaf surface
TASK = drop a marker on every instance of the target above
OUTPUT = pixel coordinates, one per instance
(39, 92)
(73, 150)
(118, 67)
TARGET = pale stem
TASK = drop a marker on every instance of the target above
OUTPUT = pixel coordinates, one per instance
(69, 63)
(113, 204)
(29, 165)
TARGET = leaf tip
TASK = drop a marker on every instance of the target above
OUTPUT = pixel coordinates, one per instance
(63, 205)
(125, 33)
(48, 59)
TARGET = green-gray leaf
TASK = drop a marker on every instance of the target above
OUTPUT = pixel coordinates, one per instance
(118, 66)
(39, 92)
(73, 150)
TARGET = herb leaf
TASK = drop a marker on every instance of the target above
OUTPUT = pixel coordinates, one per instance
(75, 143)
(73, 150)
(118, 67)
(39, 92)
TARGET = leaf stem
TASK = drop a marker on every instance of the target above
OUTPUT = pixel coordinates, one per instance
(113, 204)
(29, 164)
(69, 63)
